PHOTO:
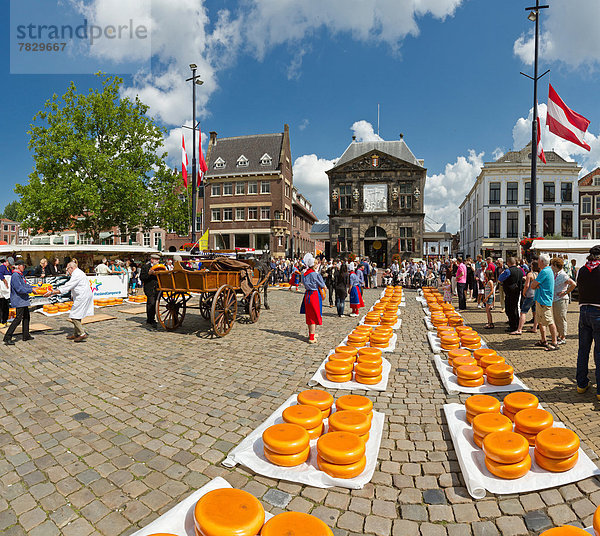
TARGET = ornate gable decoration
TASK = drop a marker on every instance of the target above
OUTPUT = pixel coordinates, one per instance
(380, 162)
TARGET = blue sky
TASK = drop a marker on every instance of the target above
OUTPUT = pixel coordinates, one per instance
(445, 73)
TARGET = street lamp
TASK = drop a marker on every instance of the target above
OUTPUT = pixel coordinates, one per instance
(195, 81)
(534, 16)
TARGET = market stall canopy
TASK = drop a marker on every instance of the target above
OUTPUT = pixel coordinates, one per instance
(566, 246)
(85, 248)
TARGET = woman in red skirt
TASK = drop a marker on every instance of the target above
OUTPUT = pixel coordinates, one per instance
(312, 303)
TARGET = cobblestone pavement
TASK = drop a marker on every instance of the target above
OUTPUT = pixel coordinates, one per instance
(104, 436)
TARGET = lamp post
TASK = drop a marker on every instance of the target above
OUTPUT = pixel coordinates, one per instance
(534, 16)
(195, 81)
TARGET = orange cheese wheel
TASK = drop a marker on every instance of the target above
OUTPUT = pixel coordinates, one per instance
(358, 345)
(363, 328)
(355, 402)
(488, 423)
(228, 511)
(482, 404)
(530, 437)
(553, 465)
(445, 329)
(508, 413)
(371, 322)
(499, 371)
(314, 433)
(368, 380)
(472, 345)
(287, 460)
(596, 522)
(505, 447)
(557, 443)
(370, 358)
(339, 378)
(470, 383)
(340, 447)
(63, 307)
(295, 524)
(342, 358)
(369, 352)
(509, 471)
(455, 321)
(343, 470)
(315, 397)
(498, 381)
(357, 339)
(449, 339)
(533, 421)
(338, 367)
(326, 413)
(285, 438)
(488, 360)
(520, 400)
(368, 370)
(349, 350)
(351, 421)
(478, 440)
(463, 360)
(468, 338)
(465, 329)
(566, 530)
(481, 352)
(380, 344)
(383, 330)
(453, 354)
(306, 416)
(469, 372)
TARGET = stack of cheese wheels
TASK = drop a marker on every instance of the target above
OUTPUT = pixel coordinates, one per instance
(388, 319)
(439, 319)
(455, 320)
(566, 530)
(383, 330)
(356, 403)
(469, 375)
(368, 373)
(487, 360)
(317, 398)
(506, 454)
(309, 417)
(477, 404)
(228, 511)
(119, 301)
(286, 444)
(459, 361)
(50, 308)
(557, 450)
(363, 328)
(461, 352)
(391, 308)
(346, 350)
(499, 374)
(349, 420)
(487, 423)
(339, 370)
(63, 307)
(470, 341)
(342, 358)
(481, 352)
(295, 524)
(529, 422)
(370, 355)
(380, 339)
(341, 454)
(372, 318)
(464, 330)
(450, 342)
(515, 402)
(448, 330)
(358, 341)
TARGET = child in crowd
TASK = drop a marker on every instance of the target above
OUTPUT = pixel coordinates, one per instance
(489, 297)
(447, 289)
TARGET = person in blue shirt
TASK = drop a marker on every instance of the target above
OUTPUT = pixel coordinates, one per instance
(5, 270)
(19, 299)
(312, 303)
(356, 300)
(544, 295)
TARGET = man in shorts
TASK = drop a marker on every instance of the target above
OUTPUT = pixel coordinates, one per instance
(544, 294)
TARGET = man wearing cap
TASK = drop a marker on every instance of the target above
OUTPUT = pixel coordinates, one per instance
(148, 279)
(19, 299)
(5, 273)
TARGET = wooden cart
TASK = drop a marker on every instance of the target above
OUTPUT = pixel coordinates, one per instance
(218, 290)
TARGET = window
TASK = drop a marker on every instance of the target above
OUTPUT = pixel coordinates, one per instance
(287, 214)
(566, 192)
(346, 198)
(219, 163)
(227, 188)
(215, 190)
(265, 160)
(548, 222)
(586, 229)
(265, 187)
(527, 192)
(405, 195)
(597, 180)
(549, 196)
(253, 213)
(215, 214)
(242, 241)
(494, 224)
(597, 225)
(586, 204)
(345, 239)
(287, 190)
(252, 188)
(566, 223)
(242, 161)
(494, 193)
(146, 238)
(227, 214)
(527, 223)
(5, 227)
(240, 213)
(512, 224)
(13, 228)
(198, 224)
(265, 213)
(240, 188)
(512, 193)
(597, 204)
(156, 240)
(262, 241)
(407, 242)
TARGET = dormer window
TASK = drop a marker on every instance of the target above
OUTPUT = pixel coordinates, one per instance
(219, 163)
(242, 161)
(265, 160)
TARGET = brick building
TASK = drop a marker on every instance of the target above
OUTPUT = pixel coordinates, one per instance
(589, 205)
(303, 220)
(10, 232)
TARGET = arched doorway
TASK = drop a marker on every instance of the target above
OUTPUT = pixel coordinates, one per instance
(376, 245)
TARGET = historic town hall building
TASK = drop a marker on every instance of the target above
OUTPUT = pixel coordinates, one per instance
(376, 202)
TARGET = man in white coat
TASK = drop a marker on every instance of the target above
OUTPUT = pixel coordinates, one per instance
(83, 300)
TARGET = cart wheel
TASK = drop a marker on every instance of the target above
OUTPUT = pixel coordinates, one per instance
(254, 306)
(205, 304)
(170, 309)
(223, 310)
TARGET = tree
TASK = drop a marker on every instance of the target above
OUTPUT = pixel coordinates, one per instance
(11, 211)
(97, 165)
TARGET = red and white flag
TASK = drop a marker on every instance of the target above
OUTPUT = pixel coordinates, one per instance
(540, 149)
(564, 122)
(202, 167)
(184, 161)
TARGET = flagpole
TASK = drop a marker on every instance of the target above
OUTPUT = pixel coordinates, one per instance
(195, 80)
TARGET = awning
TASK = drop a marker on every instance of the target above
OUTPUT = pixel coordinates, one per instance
(566, 246)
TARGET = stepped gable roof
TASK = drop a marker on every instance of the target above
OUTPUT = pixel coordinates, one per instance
(523, 156)
(254, 147)
(397, 149)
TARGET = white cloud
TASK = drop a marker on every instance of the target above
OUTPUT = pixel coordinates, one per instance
(304, 123)
(568, 34)
(295, 66)
(363, 130)
(312, 181)
(445, 191)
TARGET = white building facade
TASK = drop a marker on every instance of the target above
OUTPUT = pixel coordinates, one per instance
(495, 214)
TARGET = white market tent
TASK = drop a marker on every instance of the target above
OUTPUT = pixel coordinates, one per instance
(72, 248)
(564, 246)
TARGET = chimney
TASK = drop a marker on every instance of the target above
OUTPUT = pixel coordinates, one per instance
(213, 138)
(353, 138)
(286, 128)
(401, 135)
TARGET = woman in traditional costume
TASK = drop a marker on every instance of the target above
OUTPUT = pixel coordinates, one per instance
(312, 303)
(295, 279)
(356, 300)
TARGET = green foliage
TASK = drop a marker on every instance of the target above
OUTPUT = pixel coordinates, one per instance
(97, 165)
(11, 211)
